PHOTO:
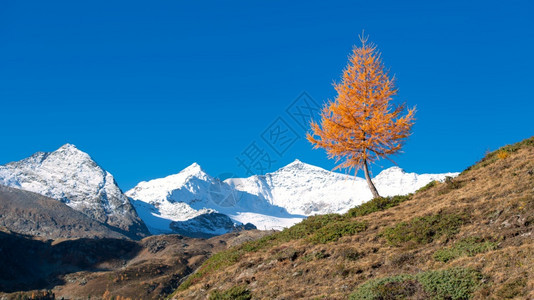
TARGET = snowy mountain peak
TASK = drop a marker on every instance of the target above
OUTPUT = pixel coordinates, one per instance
(173, 181)
(273, 200)
(299, 166)
(71, 176)
(70, 154)
(193, 169)
(70, 149)
(392, 170)
(68, 146)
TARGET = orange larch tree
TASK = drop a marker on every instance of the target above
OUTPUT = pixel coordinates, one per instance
(362, 125)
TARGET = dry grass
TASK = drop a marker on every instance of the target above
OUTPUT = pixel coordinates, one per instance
(494, 197)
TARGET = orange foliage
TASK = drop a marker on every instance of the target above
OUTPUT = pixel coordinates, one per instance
(361, 125)
(502, 154)
(106, 295)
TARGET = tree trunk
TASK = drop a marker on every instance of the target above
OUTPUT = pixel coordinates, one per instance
(369, 182)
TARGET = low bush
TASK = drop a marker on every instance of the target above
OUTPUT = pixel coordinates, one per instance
(514, 287)
(253, 246)
(467, 247)
(305, 228)
(334, 231)
(377, 204)
(423, 230)
(394, 287)
(351, 254)
(502, 154)
(239, 292)
(454, 284)
(428, 186)
(309, 226)
(315, 255)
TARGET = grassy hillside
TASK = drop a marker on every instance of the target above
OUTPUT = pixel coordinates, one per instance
(467, 237)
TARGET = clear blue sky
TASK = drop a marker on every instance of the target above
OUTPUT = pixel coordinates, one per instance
(147, 88)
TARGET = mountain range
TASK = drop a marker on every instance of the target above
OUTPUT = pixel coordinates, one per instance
(194, 203)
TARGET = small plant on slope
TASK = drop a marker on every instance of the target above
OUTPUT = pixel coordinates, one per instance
(377, 204)
(238, 292)
(467, 247)
(453, 283)
(423, 230)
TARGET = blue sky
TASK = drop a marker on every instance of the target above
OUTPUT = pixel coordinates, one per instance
(147, 88)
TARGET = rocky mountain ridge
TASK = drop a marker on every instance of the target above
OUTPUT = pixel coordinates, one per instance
(74, 178)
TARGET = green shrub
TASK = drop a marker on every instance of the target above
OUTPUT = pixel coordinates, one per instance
(305, 228)
(264, 242)
(512, 288)
(309, 226)
(239, 292)
(454, 284)
(423, 230)
(334, 231)
(467, 247)
(377, 204)
(351, 254)
(428, 186)
(395, 287)
(315, 255)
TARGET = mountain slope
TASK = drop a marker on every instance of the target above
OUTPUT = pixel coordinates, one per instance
(34, 214)
(92, 268)
(272, 201)
(467, 237)
(72, 177)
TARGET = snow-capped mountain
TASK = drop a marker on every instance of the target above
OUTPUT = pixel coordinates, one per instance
(192, 202)
(307, 190)
(270, 201)
(194, 195)
(71, 176)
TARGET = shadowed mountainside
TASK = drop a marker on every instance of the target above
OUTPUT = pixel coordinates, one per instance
(74, 178)
(34, 214)
(81, 268)
(29, 263)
